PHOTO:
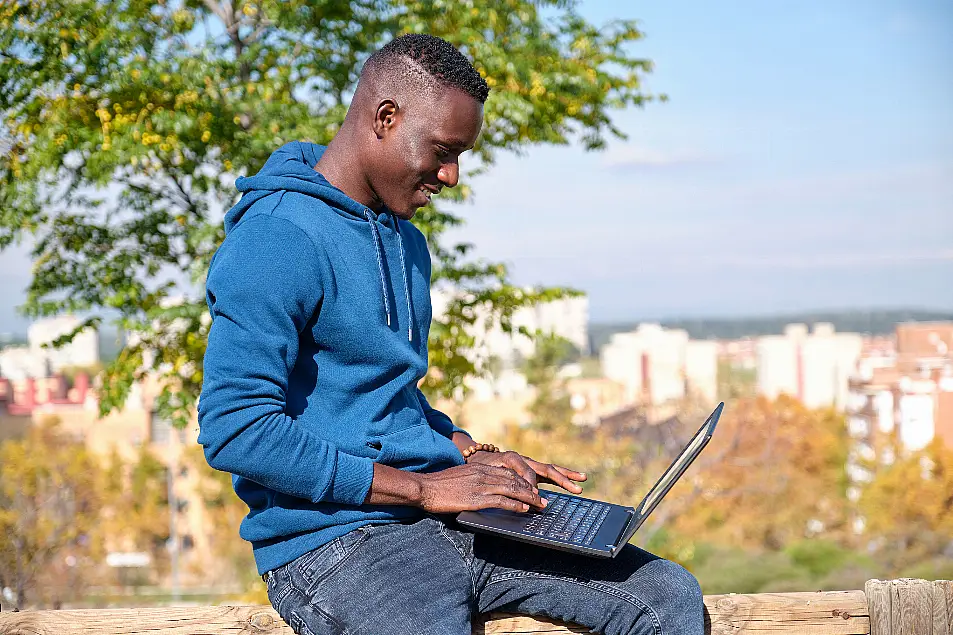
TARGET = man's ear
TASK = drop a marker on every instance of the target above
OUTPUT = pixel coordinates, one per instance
(385, 117)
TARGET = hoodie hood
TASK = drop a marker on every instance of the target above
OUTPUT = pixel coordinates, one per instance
(290, 168)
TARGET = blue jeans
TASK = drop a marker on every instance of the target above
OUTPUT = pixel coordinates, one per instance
(426, 577)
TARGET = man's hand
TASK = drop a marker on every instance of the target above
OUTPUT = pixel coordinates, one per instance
(473, 487)
(533, 472)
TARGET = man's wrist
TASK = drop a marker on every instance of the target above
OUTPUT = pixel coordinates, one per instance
(418, 485)
(462, 440)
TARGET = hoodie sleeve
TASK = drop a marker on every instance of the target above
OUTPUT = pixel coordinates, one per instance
(438, 420)
(263, 287)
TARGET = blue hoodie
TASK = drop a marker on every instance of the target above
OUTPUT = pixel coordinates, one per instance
(320, 317)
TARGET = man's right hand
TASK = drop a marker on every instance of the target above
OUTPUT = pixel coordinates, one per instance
(473, 487)
(468, 487)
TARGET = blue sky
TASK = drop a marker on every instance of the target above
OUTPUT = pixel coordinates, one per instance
(804, 161)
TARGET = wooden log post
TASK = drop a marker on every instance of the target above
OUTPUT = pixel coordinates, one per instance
(830, 613)
(910, 607)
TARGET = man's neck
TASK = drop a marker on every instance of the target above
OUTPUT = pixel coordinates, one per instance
(344, 172)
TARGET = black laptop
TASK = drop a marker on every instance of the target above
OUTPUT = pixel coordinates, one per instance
(586, 526)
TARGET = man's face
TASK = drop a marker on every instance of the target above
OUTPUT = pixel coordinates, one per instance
(420, 148)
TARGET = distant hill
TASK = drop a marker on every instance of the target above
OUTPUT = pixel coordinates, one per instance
(869, 322)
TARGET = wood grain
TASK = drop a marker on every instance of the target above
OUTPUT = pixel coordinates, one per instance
(832, 613)
(942, 593)
(878, 605)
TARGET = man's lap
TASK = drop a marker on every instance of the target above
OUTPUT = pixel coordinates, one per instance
(427, 577)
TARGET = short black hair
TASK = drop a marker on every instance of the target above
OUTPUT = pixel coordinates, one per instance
(437, 57)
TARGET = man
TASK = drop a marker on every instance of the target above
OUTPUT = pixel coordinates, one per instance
(320, 298)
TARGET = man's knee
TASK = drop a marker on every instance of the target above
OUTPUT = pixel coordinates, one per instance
(679, 581)
(677, 600)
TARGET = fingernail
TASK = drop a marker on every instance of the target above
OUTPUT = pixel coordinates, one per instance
(545, 502)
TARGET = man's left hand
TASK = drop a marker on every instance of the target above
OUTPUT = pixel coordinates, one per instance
(532, 471)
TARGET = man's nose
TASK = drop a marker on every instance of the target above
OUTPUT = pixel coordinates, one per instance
(449, 174)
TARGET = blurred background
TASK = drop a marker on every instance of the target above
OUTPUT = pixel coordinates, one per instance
(672, 204)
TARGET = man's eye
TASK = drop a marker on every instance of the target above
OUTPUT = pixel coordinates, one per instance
(443, 152)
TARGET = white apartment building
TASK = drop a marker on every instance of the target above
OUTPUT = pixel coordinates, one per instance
(657, 365)
(567, 318)
(22, 362)
(814, 367)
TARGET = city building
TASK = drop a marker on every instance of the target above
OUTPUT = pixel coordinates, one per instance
(815, 367)
(591, 398)
(657, 365)
(38, 360)
(902, 396)
(499, 355)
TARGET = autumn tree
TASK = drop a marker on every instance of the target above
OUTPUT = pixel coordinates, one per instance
(136, 505)
(908, 507)
(50, 505)
(773, 474)
(126, 121)
(224, 512)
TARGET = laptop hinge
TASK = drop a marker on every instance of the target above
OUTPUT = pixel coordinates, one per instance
(625, 534)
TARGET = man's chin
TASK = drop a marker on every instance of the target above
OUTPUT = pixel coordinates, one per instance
(406, 212)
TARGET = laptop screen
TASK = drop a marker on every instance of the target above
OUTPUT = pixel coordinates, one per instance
(678, 466)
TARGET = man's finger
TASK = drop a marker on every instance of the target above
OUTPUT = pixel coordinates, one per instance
(517, 463)
(565, 471)
(560, 476)
(517, 491)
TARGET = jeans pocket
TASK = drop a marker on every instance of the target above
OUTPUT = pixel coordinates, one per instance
(318, 565)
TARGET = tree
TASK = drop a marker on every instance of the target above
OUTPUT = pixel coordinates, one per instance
(224, 512)
(125, 121)
(136, 497)
(908, 507)
(551, 407)
(49, 514)
(773, 474)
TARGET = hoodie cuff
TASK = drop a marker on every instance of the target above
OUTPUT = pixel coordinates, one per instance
(352, 479)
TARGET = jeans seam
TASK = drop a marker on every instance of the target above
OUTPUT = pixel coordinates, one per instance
(343, 553)
(463, 558)
(311, 603)
(596, 586)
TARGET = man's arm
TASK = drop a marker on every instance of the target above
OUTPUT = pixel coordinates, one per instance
(444, 425)
(259, 307)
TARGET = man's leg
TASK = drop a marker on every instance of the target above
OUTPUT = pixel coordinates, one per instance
(399, 579)
(633, 593)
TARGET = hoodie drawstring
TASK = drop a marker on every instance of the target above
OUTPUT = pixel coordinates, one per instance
(403, 272)
(380, 261)
(378, 247)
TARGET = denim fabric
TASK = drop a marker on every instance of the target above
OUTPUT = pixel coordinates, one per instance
(427, 577)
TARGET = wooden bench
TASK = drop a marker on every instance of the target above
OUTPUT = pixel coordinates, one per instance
(894, 607)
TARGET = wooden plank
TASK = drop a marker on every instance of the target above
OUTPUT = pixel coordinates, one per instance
(199, 620)
(942, 607)
(912, 602)
(832, 613)
(878, 606)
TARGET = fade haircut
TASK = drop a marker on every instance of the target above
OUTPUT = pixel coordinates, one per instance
(413, 57)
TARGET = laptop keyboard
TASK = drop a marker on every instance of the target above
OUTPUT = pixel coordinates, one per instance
(567, 518)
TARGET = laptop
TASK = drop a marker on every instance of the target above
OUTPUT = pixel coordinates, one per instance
(583, 525)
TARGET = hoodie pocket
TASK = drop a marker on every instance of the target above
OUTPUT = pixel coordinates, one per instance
(407, 448)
